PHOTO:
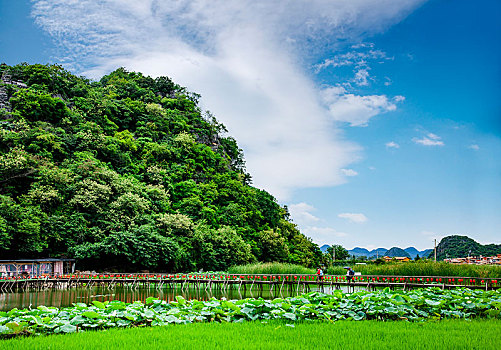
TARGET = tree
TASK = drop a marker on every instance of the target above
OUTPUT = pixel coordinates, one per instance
(272, 247)
(20, 228)
(337, 252)
(35, 105)
(139, 247)
(217, 250)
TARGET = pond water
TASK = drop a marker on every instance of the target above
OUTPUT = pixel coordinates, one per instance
(65, 297)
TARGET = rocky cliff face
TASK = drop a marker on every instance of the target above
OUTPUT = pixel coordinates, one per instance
(5, 81)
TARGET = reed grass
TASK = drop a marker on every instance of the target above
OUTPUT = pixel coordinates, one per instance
(423, 268)
(346, 335)
(412, 268)
(271, 268)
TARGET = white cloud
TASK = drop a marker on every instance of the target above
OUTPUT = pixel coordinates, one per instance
(361, 77)
(474, 147)
(361, 58)
(392, 144)
(324, 231)
(353, 217)
(308, 223)
(323, 235)
(362, 45)
(429, 140)
(349, 172)
(245, 58)
(354, 109)
(301, 213)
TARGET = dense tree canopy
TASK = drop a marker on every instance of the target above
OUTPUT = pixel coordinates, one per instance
(129, 173)
(337, 252)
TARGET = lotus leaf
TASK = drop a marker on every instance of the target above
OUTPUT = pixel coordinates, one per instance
(91, 314)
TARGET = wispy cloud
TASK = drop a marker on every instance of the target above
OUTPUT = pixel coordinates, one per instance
(429, 140)
(349, 172)
(360, 58)
(392, 144)
(361, 55)
(309, 224)
(244, 58)
(353, 217)
(325, 231)
(474, 147)
(323, 235)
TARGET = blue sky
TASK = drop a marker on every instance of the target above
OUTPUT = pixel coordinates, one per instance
(376, 122)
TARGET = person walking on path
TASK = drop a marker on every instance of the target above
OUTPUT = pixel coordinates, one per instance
(320, 274)
(349, 273)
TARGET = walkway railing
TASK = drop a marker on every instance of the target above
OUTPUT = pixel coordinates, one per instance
(289, 279)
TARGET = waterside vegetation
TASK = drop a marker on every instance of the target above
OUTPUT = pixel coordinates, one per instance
(413, 268)
(423, 268)
(414, 305)
(271, 268)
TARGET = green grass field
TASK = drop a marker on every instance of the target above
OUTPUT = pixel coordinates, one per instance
(448, 334)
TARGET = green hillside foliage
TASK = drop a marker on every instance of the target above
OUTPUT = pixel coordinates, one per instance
(128, 173)
(463, 246)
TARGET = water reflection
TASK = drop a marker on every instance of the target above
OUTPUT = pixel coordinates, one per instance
(65, 297)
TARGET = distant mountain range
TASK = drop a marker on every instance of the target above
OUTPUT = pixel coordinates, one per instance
(411, 252)
(449, 247)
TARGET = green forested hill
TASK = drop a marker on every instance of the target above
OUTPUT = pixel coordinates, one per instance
(396, 251)
(463, 246)
(129, 173)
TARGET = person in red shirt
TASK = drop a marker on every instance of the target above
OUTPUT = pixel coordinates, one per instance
(320, 274)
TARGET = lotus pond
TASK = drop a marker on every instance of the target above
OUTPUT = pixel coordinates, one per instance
(415, 305)
(66, 297)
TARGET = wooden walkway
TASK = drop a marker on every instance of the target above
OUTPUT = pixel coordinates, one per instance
(210, 282)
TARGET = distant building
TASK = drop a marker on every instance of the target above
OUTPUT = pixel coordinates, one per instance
(396, 258)
(474, 260)
(36, 267)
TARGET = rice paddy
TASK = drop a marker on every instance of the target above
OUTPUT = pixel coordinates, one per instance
(346, 335)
